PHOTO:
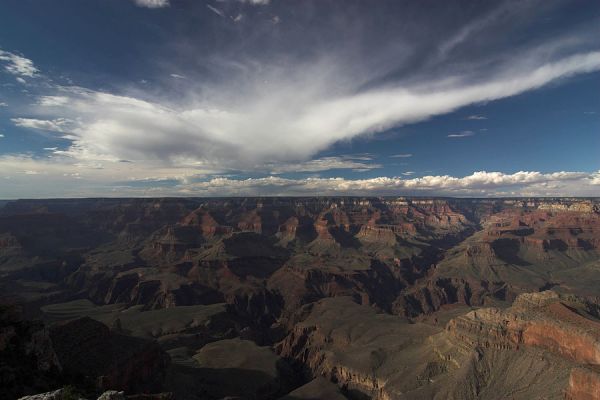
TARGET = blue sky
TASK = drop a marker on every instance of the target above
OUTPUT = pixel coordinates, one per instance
(258, 97)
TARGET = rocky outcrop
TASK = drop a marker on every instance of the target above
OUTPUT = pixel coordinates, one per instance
(54, 395)
(540, 320)
(584, 384)
(28, 362)
(381, 235)
(86, 347)
(287, 231)
(333, 281)
(70, 394)
(205, 223)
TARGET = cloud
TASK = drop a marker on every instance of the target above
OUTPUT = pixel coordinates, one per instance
(476, 117)
(286, 121)
(2, 104)
(325, 164)
(55, 125)
(52, 101)
(177, 76)
(479, 183)
(152, 3)
(18, 65)
(461, 134)
(271, 103)
(257, 2)
(1, 135)
(216, 11)
(60, 177)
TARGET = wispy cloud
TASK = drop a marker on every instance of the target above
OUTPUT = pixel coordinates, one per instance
(256, 2)
(266, 126)
(461, 134)
(3, 104)
(216, 11)
(152, 3)
(52, 101)
(259, 107)
(476, 117)
(54, 125)
(18, 65)
(325, 164)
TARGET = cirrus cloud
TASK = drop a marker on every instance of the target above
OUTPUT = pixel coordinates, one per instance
(267, 129)
(152, 3)
(18, 65)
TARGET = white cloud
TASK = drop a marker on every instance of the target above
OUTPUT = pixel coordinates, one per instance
(1, 135)
(18, 65)
(461, 134)
(55, 125)
(216, 10)
(256, 2)
(54, 177)
(2, 104)
(325, 164)
(407, 155)
(152, 3)
(177, 76)
(286, 121)
(476, 117)
(52, 101)
(479, 183)
(20, 80)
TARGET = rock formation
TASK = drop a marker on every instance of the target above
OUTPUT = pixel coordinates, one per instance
(389, 298)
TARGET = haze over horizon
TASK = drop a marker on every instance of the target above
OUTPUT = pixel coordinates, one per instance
(110, 98)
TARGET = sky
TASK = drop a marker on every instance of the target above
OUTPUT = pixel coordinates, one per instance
(110, 98)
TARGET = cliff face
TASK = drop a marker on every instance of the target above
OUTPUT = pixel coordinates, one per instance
(545, 321)
(114, 361)
(535, 246)
(355, 290)
(584, 384)
(383, 357)
(28, 362)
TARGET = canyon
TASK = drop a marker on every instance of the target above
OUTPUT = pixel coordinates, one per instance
(301, 298)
